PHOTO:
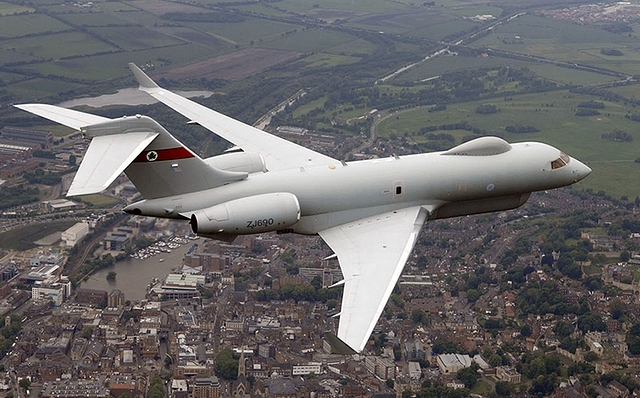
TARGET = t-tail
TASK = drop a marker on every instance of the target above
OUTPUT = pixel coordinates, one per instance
(155, 162)
(164, 166)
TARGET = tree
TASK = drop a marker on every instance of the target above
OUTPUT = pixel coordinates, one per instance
(24, 383)
(87, 332)
(111, 276)
(633, 339)
(617, 308)
(441, 346)
(525, 331)
(469, 376)
(503, 389)
(591, 322)
(226, 364)
(591, 356)
(157, 388)
(495, 360)
(624, 256)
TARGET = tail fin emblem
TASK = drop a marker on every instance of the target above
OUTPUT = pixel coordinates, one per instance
(152, 155)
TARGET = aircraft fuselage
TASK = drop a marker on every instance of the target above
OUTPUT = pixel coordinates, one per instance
(446, 184)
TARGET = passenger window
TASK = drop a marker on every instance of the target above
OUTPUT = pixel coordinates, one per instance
(398, 190)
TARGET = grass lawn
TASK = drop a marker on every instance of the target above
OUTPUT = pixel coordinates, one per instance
(23, 238)
(99, 200)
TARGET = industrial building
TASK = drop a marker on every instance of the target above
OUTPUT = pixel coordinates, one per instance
(75, 234)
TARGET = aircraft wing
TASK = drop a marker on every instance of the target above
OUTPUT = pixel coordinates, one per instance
(372, 253)
(278, 152)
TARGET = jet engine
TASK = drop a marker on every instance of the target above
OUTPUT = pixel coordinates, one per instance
(250, 215)
(248, 162)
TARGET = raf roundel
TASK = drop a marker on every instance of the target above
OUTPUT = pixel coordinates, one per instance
(152, 155)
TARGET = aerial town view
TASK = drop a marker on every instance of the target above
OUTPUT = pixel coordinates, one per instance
(371, 218)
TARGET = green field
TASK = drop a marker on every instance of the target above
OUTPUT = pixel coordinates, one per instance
(443, 28)
(311, 7)
(99, 200)
(10, 9)
(29, 24)
(22, 238)
(322, 60)
(39, 88)
(309, 40)
(58, 45)
(136, 38)
(42, 57)
(247, 32)
(95, 19)
(564, 41)
(552, 114)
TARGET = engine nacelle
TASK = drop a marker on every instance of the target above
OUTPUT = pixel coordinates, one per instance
(250, 215)
(239, 161)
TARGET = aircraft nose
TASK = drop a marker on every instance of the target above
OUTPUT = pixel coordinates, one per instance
(579, 169)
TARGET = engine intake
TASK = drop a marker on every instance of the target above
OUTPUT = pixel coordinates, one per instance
(250, 215)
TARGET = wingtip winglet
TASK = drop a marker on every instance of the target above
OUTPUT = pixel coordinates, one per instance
(338, 346)
(143, 80)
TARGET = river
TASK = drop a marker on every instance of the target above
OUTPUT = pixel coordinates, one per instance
(127, 96)
(133, 275)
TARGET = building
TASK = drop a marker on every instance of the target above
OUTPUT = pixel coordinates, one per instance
(206, 387)
(59, 204)
(415, 371)
(25, 137)
(15, 152)
(91, 296)
(119, 238)
(75, 234)
(415, 349)
(8, 271)
(179, 388)
(180, 286)
(116, 242)
(452, 363)
(384, 368)
(508, 374)
(329, 276)
(56, 293)
(44, 274)
(116, 299)
(207, 262)
(307, 368)
(43, 260)
(124, 384)
(618, 389)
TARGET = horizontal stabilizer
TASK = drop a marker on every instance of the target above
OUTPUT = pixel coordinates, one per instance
(64, 116)
(106, 158)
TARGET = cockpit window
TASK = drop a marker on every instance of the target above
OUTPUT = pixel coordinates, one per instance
(562, 161)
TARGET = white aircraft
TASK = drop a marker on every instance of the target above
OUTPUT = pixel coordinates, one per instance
(369, 212)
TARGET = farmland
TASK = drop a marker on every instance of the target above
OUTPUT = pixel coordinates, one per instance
(526, 63)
